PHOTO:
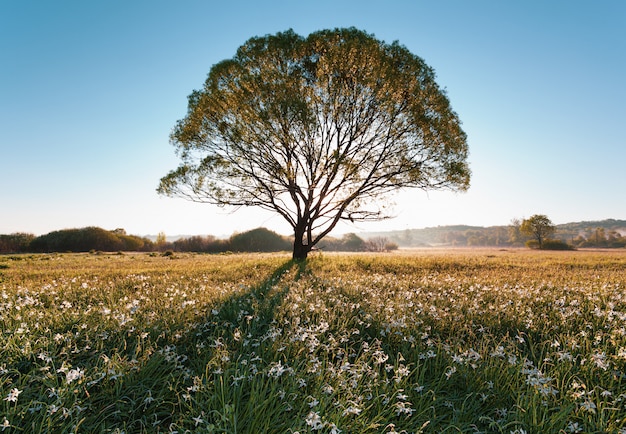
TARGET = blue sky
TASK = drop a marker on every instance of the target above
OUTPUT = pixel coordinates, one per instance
(89, 91)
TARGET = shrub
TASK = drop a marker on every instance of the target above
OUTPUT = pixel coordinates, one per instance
(15, 243)
(391, 246)
(133, 243)
(259, 240)
(549, 245)
(380, 244)
(196, 243)
(556, 245)
(347, 243)
(87, 240)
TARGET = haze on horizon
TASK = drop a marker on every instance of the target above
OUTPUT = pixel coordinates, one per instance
(90, 91)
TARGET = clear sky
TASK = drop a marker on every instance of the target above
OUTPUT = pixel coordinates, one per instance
(89, 91)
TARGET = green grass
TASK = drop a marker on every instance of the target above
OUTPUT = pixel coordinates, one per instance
(433, 341)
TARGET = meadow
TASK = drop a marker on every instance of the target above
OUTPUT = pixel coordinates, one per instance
(486, 341)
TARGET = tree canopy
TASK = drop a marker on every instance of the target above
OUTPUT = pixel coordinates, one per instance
(539, 227)
(317, 129)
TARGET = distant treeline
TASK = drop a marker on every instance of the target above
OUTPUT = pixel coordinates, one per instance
(604, 234)
(75, 240)
(93, 239)
(264, 240)
(608, 233)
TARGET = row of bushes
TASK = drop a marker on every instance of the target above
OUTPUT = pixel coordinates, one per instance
(256, 240)
(98, 239)
(15, 243)
(75, 240)
(264, 240)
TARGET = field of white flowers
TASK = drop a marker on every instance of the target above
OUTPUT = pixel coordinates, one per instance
(456, 342)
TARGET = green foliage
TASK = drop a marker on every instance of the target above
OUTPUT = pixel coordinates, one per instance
(539, 227)
(532, 244)
(556, 245)
(549, 244)
(317, 129)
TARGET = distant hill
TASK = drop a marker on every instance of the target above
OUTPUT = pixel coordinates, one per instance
(581, 227)
(463, 235)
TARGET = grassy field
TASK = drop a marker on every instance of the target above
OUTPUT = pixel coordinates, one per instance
(428, 341)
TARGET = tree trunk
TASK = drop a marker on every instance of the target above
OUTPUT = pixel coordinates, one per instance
(300, 251)
(301, 247)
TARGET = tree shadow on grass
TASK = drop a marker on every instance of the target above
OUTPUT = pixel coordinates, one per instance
(238, 394)
(259, 303)
(200, 373)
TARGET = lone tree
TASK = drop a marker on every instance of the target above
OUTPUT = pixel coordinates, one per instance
(316, 129)
(539, 227)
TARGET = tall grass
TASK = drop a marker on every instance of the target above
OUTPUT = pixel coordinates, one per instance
(486, 341)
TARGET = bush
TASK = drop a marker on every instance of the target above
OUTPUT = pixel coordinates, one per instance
(380, 244)
(15, 243)
(133, 243)
(556, 245)
(87, 240)
(348, 243)
(208, 244)
(391, 246)
(259, 240)
(549, 245)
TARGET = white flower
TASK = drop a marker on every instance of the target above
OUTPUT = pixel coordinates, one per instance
(314, 420)
(334, 429)
(277, 370)
(13, 394)
(353, 409)
(6, 424)
(588, 406)
(600, 360)
(498, 352)
(403, 408)
(328, 389)
(74, 374)
(574, 427)
(380, 357)
(402, 371)
(451, 370)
